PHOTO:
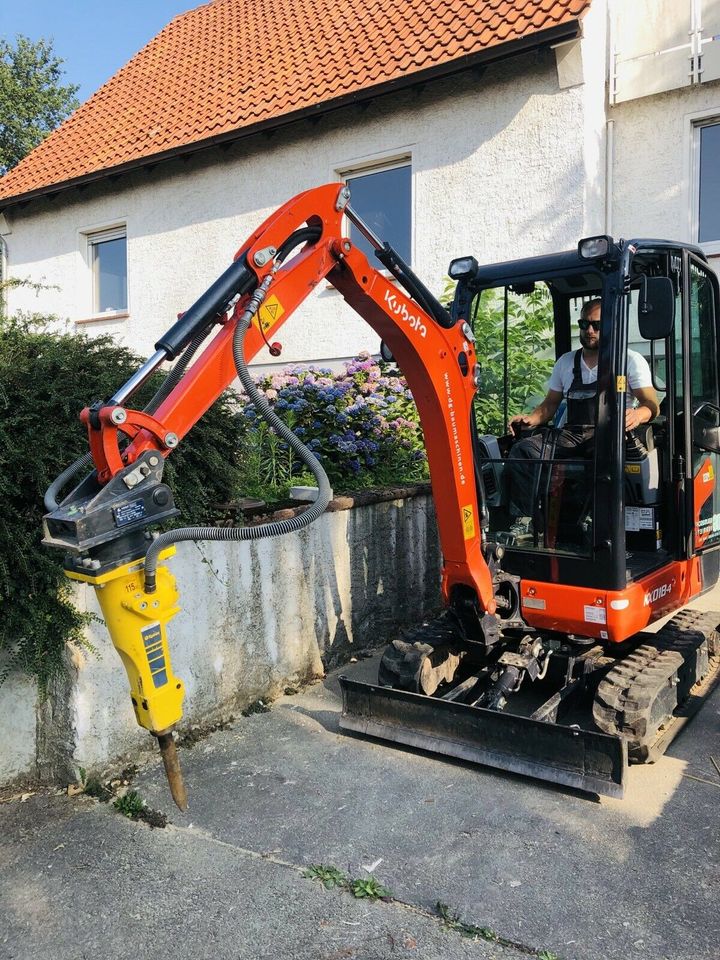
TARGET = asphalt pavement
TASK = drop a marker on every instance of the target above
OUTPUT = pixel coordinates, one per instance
(523, 868)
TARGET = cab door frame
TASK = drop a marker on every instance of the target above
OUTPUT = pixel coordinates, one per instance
(701, 398)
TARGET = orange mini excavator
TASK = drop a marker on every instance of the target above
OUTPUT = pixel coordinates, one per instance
(538, 663)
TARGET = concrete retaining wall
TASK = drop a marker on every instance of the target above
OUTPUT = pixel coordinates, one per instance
(256, 617)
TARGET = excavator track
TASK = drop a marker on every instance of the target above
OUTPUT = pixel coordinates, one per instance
(648, 695)
(427, 657)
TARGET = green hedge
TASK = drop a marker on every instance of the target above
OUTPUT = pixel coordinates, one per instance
(45, 380)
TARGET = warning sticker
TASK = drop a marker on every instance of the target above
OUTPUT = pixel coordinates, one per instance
(639, 518)
(468, 520)
(269, 314)
(595, 614)
(622, 384)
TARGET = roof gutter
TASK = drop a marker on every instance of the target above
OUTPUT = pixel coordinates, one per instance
(503, 51)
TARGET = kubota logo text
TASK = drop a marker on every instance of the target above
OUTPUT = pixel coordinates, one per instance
(400, 310)
(652, 596)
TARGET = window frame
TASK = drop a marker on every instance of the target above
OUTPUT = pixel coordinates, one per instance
(91, 238)
(696, 122)
(380, 164)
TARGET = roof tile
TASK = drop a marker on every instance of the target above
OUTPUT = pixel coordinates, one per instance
(232, 64)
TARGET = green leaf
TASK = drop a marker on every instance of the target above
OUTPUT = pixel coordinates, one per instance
(33, 100)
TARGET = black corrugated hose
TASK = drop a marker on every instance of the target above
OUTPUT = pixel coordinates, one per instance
(172, 379)
(275, 528)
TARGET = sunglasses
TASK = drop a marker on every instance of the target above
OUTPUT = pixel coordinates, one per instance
(586, 324)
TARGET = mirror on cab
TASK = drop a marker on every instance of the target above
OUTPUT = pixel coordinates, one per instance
(706, 427)
(656, 310)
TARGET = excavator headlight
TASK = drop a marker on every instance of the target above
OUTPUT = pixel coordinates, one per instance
(595, 248)
(462, 267)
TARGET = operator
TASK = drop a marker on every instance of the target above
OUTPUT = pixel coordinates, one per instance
(574, 379)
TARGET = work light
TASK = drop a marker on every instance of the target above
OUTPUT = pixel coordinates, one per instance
(595, 248)
(462, 267)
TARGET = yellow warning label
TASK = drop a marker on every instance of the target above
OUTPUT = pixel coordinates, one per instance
(622, 384)
(633, 468)
(468, 519)
(268, 314)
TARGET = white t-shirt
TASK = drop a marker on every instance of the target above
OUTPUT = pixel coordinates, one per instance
(638, 372)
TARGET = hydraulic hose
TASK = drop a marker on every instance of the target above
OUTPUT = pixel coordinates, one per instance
(274, 528)
(168, 384)
(51, 494)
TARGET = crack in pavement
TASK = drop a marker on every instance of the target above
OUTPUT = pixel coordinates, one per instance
(460, 928)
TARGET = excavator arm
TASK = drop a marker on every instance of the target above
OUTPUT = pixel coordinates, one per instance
(103, 522)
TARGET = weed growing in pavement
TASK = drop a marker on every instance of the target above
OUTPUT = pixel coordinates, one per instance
(329, 877)
(367, 888)
(452, 921)
(130, 805)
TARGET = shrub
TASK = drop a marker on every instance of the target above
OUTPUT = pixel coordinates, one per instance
(45, 380)
(530, 331)
(361, 423)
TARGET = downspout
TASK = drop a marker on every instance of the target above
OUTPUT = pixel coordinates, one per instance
(610, 124)
(609, 162)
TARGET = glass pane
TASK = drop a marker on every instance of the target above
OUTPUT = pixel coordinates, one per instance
(531, 353)
(703, 348)
(653, 353)
(709, 228)
(704, 392)
(382, 200)
(110, 273)
(540, 504)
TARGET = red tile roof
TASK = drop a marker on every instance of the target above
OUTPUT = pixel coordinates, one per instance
(234, 66)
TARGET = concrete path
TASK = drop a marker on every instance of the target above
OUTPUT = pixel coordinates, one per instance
(549, 871)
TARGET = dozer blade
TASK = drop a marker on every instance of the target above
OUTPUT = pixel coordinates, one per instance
(583, 759)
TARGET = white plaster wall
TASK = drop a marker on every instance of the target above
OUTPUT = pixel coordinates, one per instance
(257, 616)
(18, 699)
(500, 167)
(653, 170)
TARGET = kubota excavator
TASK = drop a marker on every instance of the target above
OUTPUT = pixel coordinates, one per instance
(538, 663)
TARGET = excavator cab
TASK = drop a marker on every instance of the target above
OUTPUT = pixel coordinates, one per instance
(612, 535)
(635, 502)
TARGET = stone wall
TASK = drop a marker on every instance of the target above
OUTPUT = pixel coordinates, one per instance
(255, 617)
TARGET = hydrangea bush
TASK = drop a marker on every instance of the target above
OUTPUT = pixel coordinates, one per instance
(361, 423)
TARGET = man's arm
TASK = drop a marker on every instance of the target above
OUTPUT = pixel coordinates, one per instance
(647, 410)
(541, 414)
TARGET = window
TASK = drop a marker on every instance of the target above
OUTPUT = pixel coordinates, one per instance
(709, 183)
(382, 199)
(107, 254)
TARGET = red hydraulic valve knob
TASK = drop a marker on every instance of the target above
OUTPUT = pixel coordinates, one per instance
(275, 349)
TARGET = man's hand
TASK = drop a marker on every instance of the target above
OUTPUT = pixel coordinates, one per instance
(636, 416)
(521, 421)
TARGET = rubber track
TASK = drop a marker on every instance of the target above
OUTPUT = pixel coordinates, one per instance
(403, 665)
(639, 694)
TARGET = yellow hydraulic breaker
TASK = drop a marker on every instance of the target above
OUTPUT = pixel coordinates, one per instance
(137, 624)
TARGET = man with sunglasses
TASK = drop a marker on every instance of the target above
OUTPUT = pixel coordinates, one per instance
(574, 379)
